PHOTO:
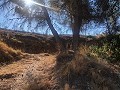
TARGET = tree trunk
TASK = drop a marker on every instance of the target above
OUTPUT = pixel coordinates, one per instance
(75, 39)
(77, 23)
(54, 32)
(76, 31)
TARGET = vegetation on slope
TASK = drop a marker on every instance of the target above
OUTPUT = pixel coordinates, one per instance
(8, 54)
(87, 72)
(83, 72)
(109, 49)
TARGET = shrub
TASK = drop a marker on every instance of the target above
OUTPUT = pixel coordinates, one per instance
(110, 50)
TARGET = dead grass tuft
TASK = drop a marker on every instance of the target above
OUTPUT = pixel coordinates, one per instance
(8, 54)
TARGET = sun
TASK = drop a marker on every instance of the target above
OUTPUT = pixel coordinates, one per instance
(28, 2)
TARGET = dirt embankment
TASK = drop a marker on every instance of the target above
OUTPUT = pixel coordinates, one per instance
(28, 42)
(8, 54)
(35, 43)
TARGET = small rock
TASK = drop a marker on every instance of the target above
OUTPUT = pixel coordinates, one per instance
(46, 54)
(70, 52)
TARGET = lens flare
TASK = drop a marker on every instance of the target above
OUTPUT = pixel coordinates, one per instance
(28, 2)
(31, 2)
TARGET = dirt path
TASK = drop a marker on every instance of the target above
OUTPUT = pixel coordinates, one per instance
(38, 72)
(34, 72)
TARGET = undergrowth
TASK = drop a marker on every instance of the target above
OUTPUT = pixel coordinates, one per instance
(85, 73)
(109, 50)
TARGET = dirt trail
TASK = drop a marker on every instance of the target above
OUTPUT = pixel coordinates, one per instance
(38, 72)
(32, 72)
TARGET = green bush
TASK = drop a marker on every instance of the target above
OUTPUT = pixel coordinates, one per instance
(110, 50)
(113, 43)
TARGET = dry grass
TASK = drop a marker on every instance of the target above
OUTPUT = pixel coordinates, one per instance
(8, 54)
(75, 64)
(84, 72)
(84, 50)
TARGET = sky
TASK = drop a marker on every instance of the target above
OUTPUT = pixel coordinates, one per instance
(92, 28)
(62, 29)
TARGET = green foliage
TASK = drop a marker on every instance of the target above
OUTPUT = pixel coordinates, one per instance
(102, 52)
(113, 43)
(110, 50)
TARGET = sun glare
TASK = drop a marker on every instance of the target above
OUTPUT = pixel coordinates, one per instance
(28, 2)
(31, 2)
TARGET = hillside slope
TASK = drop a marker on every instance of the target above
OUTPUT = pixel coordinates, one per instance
(28, 42)
(8, 54)
(38, 70)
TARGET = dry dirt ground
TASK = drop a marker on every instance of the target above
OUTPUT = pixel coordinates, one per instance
(38, 72)
(34, 72)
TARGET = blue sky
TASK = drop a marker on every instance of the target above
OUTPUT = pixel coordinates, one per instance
(92, 28)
